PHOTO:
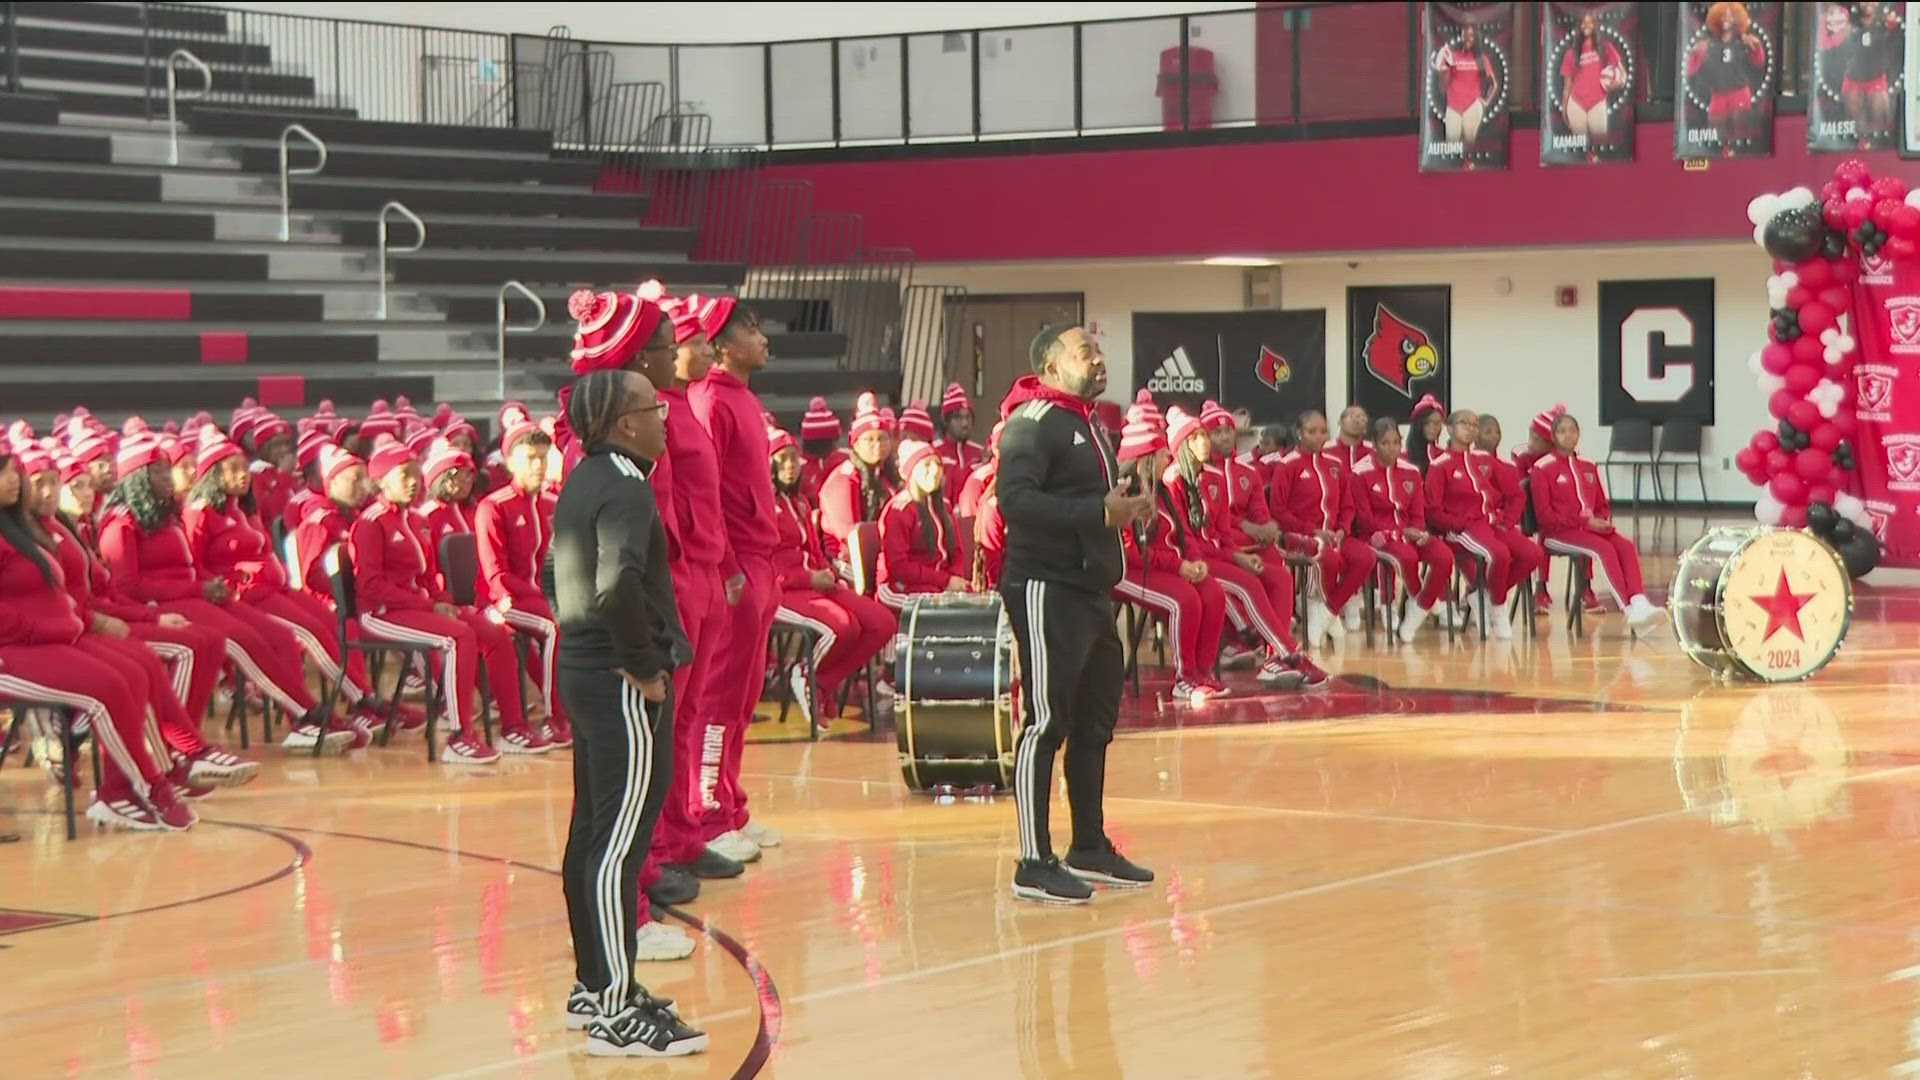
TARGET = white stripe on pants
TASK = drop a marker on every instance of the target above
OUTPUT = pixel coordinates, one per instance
(322, 658)
(1250, 613)
(549, 649)
(825, 637)
(1168, 607)
(1040, 708)
(448, 649)
(1599, 565)
(619, 988)
(267, 686)
(181, 657)
(96, 714)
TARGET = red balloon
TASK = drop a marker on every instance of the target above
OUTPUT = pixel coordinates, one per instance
(1814, 273)
(1798, 295)
(1888, 187)
(1776, 358)
(1845, 271)
(1812, 464)
(1826, 436)
(1780, 401)
(1900, 247)
(1748, 460)
(1857, 213)
(1814, 318)
(1906, 221)
(1802, 378)
(1833, 189)
(1883, 211)
(1821, 493)
(1793, 517)
(1766, 442)
(1845, 422)
(1788, 488)
(1778, 461)
(1803, 414)
(1852, 173)
(1834, 213)
(1834, 297)
(1806, 349)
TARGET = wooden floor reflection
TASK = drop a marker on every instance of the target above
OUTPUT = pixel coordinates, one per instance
(1551, 859)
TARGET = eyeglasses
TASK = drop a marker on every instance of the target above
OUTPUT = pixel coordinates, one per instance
(660, 406)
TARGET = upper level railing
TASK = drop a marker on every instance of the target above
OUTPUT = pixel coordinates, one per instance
(1309, 67)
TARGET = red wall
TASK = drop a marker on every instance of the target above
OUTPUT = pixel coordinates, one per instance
(1284, 198)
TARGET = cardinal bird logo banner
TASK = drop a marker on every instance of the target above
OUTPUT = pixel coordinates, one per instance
(1271, 363)
(1398, 346)
(1272, 369)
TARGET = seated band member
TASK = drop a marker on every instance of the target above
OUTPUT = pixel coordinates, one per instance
(1462, 504)
(859, 488)
(1313, 496)
(149, 559)
(955, 446)
(851, 629)
(1351, 445)
(820, 449)
(47, 654)
(228, 544)
(1507, 504)
(1254, 599)
(133, 633)
(1392, 514)
(514, 526)
(1570, 503)
(1160, 578)
(448, 474)
(275, 480)
(920, 548)
(976, 484)
(394, 575)
(1539, 445)
(1246, 529)
(1426, 429)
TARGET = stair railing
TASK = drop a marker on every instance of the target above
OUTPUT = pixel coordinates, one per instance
(173, 96)
(385, 250)
(287, 174)
(501, 329)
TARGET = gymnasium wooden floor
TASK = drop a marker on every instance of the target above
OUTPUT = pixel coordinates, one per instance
(1552, 859)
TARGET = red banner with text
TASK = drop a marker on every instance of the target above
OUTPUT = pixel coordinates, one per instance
(1886, 401)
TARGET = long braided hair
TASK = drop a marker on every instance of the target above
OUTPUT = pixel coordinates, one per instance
(150, 510)
(1190, 470)
(13, 525)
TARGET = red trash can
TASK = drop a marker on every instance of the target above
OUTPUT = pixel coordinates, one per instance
(1202, 86)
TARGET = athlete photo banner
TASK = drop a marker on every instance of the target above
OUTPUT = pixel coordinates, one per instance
(1589, 80)
(1656, 350)
(1399, 346)
(1729, 72)
(1468, 101)
(1859, 76)
(1271, 363)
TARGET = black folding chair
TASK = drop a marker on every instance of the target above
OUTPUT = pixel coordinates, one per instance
(1631, 447)
(460, 565)
(64, 722)
(799, 641)
(1579, 577)
(339, 569)
(1681, 444)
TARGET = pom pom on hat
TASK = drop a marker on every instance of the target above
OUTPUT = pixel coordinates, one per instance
(214, 448)
(819, 422)
(868, 416)
(955, 400)
(612, 328)
(1181, 426)
(388, 454)
(1543, 422)
(1213, 417)
(916, 423)
(334, 461)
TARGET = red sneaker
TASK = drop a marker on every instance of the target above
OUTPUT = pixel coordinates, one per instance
(122, 811)
(523, 741)
(409, 718)
(559, 736)
(462, 750)
(1591, 603)
(182, 780)
(1315, 677)
(1542, 603)
(173, 814)
(358, 726)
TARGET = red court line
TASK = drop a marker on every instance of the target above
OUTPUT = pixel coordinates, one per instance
(96, 304)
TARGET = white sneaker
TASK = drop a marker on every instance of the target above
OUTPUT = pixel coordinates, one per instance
(1410, 625)
(1336, 628)
(1641, 611)
(464, 751)
(301, 737)
(123, 814)
(761, 835)
(802, 691)
(736, 846)
(658, 941)
(1317, 618)
(1500, 623)
(1350, 616)
(217, 768)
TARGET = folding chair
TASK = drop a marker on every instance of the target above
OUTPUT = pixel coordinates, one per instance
(1680, 444)
(64, 723)
(460, 565)
(863, 555)
(801, 639)
(1579, 577)
(1630, 445)
(346, 607)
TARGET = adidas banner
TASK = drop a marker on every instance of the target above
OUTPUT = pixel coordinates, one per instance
(1656, 350)
(1399, 347)
(1271, 363)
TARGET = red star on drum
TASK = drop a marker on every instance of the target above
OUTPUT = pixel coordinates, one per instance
(1783, 608)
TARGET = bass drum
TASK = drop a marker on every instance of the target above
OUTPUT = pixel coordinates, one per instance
(1761, 603)
(954, 715)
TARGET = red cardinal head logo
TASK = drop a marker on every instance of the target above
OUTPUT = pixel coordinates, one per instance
(1272, 368)
(1398, 352)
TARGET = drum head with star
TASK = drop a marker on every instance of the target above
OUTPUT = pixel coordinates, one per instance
(1785, 604)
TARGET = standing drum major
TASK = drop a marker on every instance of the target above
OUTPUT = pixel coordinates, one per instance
(954, 717)
(1768, 604)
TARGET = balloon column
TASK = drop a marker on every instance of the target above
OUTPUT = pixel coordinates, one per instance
(1804, 461)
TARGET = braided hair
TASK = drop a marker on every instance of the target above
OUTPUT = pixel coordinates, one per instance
(595, 405)
(15, 531)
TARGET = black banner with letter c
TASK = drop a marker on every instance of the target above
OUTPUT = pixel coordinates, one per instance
(1656, 350)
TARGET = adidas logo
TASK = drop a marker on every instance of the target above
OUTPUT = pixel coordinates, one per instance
(1176, 376)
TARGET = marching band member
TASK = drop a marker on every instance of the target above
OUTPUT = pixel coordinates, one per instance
(1313, 496)
(1507, 503)
(448, 474)
(920, 549)
(851, 629)
(820, 452)
(1392, 514)
(1425, 429)
(1351, 445)
(957, 452)
(1570, 503)
(513, 528)
(1247, 526)
(1463, 503)
(859, 489)
(916, 423)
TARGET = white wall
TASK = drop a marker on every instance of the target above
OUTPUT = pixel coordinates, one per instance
(1514, 355)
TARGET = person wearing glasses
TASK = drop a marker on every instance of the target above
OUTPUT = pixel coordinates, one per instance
(620, 643)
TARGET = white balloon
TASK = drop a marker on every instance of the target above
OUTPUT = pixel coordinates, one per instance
(1760, 235)
(1769, 382)
(1767, 509)
(1790, 278)
(1753, 362)
(1851, 508)
(1829, 336)
(1846, 343)
(1796, 198)
(1833, 355)
(1913, 198)
(1761, 208)
(1827, 409)
(1855, 194)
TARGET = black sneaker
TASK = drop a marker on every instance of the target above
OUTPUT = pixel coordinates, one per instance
(712, 866)
(674, 887)
(1107, 867)
(1046, 881)
(647, 1027)
(583, 1008)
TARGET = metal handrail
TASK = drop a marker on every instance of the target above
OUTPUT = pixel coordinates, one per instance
(286, 174)
(418, 225)
(501, 329)
(173, 95)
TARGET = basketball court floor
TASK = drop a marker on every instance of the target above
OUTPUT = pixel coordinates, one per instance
(1556, 858)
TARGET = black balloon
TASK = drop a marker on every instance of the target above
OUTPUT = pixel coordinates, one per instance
(1861, 552)
(1820, 518)
(1834, 246)
(1788, 433)
(1795, 235)
(1842, 531)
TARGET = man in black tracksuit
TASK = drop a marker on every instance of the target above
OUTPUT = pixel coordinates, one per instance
(620, 640)
(1064, 514)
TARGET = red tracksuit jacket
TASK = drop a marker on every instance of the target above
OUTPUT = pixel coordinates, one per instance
(990, 538)
(87, 581)
(272, 489)
(1461, 491)
(1312, 492)
(1351, 456)
(695, 499)
(907, 563)
(960, 459)
(1566, 492)
(514, 531)
(972, 490)
(799, 555)
(155, 566)
(814, 471)
(1389, 501)
(230, 545)
(1174, 539)
(392, 567)
(1509, 496)
(324, 526)
(842, 507)
(733, 417)
(32, 610)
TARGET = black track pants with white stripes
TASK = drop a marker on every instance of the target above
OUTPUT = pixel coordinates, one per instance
(1071, 668)
(622, 765)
